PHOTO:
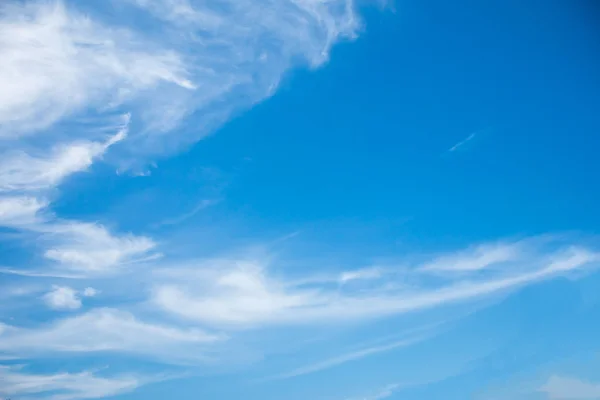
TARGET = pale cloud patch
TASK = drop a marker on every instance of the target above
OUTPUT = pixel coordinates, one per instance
(567, 388)
(382, 393)
(361, 274)
(476, 258)
(16, 211)
(63, 298)
(91, 248)
(63, 386)
(108, 330)
(90, 292)
(352, 356)
(181, 218)
(20, 171)
(67, 298)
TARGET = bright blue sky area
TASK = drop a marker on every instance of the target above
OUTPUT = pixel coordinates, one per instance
(414, 217)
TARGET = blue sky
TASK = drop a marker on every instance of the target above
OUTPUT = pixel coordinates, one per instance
(299, 199)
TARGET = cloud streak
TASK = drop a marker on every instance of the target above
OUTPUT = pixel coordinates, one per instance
(243, 294)
(463, 142)
(108, 330)
(64, 386)
(20, 172)
(348, 357)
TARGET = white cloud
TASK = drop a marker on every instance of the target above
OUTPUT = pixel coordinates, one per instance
(108, 330)
(20, 171)
(63, 386)
(244, 294)
(63, 298)
(212, 58)
(80, 249)
(91, 248)
(476, 258)
(566, 388)
(56, 61)
(85, 247)
(238, 51)
(361, 274)
(20, 210)
(90, 292)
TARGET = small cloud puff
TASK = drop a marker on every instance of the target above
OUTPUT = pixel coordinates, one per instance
(62, 298)
(66, 298)
(90, 292)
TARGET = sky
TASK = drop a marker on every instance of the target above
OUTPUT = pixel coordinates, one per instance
(299, 199)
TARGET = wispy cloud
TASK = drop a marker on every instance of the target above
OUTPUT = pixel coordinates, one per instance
(57, 61)
(382, 393)
(72, 245)
(64, 62)
(20, 171)
(85, 247)
(476, 258)
(463, 142)
(244, 294)
(108, 330)
(212, 58)
(64, 386)
(181, 218)
(567, 388)
(18, 211)
(352, 356)
(359, 275)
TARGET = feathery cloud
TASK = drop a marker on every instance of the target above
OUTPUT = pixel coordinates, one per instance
(244, 294)
(209, 58)
(476, 258)
(107, 330)
(57, 61)
(86, 247)
(63, 386)
(18, 211)
(20, 171)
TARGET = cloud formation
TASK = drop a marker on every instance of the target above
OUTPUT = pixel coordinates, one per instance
(348, 357)
(62, 298)
(68, 76)
(72, 245)
(210, 58)
(107, 330)
(58, 61)
(20, 172)
(567, 388)
(63, 386)
(244, 294)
